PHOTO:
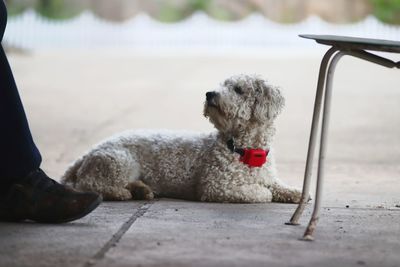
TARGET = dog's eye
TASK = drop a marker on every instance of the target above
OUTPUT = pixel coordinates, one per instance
(238, 90)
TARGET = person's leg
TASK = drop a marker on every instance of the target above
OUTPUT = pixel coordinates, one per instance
(26, 192)
(3, 19)
(19, 155)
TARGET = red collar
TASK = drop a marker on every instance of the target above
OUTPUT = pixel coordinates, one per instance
(250, 156)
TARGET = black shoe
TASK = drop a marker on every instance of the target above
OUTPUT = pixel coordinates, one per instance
(41, 199)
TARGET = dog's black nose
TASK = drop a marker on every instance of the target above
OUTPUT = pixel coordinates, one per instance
(210, 95)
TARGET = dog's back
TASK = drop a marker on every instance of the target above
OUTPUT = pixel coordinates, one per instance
(165, 161)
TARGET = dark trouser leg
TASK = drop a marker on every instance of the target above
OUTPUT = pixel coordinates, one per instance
(18, 153)
(35, 197)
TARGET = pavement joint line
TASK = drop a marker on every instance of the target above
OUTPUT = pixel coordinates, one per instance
(118, 235)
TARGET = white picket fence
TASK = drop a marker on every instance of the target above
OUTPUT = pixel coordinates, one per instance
(32, 31)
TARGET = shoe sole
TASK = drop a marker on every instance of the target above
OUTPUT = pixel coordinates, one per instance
(88, 210)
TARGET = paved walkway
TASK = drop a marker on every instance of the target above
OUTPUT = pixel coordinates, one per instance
(75, 100)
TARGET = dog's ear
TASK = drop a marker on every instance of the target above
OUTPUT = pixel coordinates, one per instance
(269, 101)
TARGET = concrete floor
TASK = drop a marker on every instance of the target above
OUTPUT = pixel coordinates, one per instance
(73, 100)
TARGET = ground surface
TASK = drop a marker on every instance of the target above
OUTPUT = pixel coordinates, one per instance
(75, 100)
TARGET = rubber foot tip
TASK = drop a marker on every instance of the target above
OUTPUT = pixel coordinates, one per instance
(292, 223)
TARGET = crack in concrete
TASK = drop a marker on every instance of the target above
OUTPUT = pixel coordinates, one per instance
(118, 235)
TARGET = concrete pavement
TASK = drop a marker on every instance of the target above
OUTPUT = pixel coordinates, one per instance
(180, 233)
(73, 100)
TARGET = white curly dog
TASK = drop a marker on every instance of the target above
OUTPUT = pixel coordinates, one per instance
(234, 164)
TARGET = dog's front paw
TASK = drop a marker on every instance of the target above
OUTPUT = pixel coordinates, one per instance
(296, 197)
(140, 191)
(286, 195)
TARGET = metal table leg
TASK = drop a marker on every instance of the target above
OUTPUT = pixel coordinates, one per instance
(308, 235)
(329, 64)
(341, 46)
(313, 136)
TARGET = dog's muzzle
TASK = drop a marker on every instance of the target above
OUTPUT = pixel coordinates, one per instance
(210, 97)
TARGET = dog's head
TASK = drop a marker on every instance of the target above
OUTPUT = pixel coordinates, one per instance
(241, 102)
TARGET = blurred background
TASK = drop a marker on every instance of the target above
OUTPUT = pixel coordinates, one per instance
(193, 24)
(89, 68)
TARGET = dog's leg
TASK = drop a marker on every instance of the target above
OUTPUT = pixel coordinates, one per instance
(107, 172)
(140, 190)
(285, 194)
(236, 194)
(115, 194)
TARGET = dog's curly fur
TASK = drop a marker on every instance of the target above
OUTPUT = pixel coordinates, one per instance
(194, 166)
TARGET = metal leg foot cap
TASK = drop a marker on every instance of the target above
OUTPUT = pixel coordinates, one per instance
(292, 223)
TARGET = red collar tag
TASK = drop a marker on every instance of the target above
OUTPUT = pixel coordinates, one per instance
(254, 157)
